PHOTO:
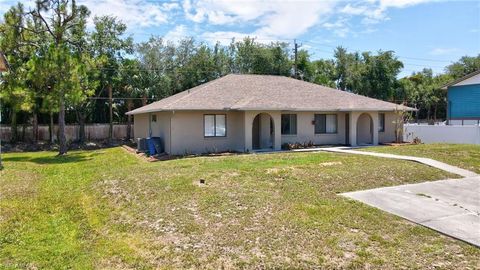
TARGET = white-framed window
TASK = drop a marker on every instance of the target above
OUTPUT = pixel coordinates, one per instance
(381, 122)
(153, 118)
(289, 124)
(215, 125)
(325, 123)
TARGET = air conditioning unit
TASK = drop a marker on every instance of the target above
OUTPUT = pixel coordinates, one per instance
(141, 145)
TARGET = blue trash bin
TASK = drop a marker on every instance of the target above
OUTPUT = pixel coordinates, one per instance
(151, 146)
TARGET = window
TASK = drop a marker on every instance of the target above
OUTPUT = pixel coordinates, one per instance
(381, 122)
(154, 118)
(215, 125)
(325, 123)
(289, 124)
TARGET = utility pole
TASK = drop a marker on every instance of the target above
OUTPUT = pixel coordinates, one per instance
(295, 64)
(295, 50)
(3, 67)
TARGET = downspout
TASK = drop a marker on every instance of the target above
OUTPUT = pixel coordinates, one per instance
(170, 131)
(149, 124)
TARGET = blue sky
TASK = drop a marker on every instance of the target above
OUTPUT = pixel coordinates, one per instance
(423, 33)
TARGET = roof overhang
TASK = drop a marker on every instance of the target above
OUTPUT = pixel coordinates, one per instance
(400, 108)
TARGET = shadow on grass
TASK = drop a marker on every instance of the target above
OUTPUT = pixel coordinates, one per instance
(69, 158)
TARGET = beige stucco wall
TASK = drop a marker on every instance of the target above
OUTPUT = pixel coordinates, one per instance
(389, 134)
(160, 128)
(182, 131)
(187, 133)
(306, 130)
(140, 125)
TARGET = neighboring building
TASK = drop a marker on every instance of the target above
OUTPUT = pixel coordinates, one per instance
(253, 112)
(463, 100)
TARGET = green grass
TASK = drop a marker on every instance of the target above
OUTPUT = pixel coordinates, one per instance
(462, 155)
(109, 209)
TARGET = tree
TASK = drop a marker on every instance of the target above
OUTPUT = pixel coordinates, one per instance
(108, 48)
(378, 78)
(464, 66)
(14, 42)
(324, 73)
(62, 71)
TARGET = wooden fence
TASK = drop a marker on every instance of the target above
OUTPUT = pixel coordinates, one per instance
(92, 132)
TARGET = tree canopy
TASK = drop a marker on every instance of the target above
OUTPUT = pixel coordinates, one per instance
(61, 67)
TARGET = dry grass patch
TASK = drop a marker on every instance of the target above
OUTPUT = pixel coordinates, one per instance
(254, 211)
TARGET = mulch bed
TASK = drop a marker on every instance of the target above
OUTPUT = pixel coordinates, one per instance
(398, 144)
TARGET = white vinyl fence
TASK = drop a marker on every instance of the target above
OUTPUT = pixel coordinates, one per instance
(442, 134)
(92, 132)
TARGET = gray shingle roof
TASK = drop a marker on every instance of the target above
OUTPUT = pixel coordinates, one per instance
(265, 92)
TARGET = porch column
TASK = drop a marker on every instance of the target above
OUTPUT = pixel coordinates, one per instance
(374, 116)
(247, 128)
(353, 117)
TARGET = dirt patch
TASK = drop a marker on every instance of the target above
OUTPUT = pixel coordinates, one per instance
(332, 163)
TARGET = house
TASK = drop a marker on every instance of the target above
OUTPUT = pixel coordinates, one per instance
(256, 112)
(463, 100)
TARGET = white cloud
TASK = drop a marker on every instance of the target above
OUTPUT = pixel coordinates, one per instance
(401, 3)
(134, 13)
(177, 33)
(443, 51)
(272, 19)
(375, 11)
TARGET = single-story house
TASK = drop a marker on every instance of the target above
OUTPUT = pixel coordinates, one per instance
(257, 112)
(463, 100)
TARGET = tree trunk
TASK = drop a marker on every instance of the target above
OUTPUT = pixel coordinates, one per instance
(435, 113)
(416, 114)
(35, 127)
(50, 128)
(61, 126)
(428, 114)
(144, 100)
(81, 122)
(129, 120)
(13, 127)
(110, 107)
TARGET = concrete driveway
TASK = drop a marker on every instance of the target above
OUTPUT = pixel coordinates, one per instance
(451, 206)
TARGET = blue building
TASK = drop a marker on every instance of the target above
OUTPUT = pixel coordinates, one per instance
(463, 97)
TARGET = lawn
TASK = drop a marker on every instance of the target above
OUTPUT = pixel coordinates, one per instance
(109, 209)
(462, 155)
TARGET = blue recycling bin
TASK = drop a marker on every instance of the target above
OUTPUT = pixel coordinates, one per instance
(151, 146)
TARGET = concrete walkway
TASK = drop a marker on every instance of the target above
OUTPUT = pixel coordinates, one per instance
(427, 161)
(451, 207)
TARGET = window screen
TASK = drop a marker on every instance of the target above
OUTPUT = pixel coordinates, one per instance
(214, 125)
(381, 122)
(289, 124)
(325, 123)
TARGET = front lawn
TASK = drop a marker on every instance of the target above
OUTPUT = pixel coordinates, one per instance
(466, 156)
(109, 209)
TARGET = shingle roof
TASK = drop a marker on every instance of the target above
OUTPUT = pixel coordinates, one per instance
(445, 87)
(266, 92)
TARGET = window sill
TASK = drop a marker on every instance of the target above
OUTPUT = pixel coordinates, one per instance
(321, 134)
(289, 135)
